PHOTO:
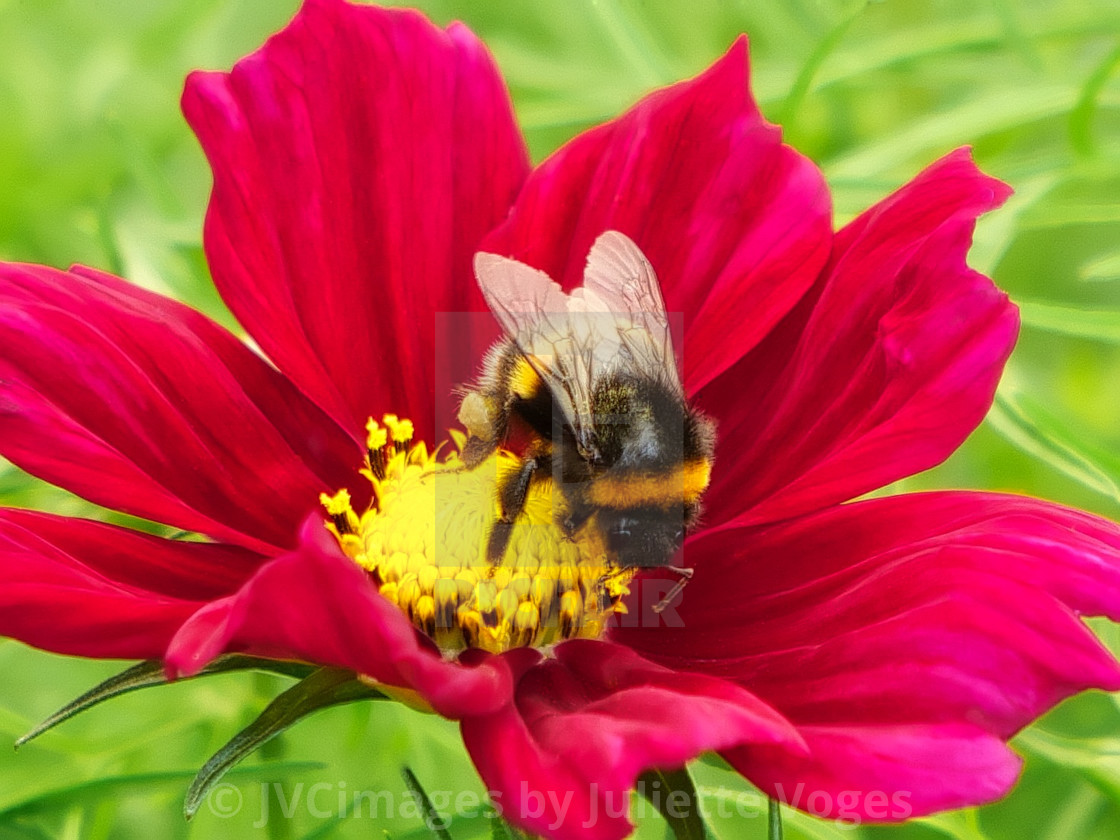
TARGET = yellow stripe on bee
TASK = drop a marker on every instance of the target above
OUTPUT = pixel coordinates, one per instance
(684, 484)
(525, 382)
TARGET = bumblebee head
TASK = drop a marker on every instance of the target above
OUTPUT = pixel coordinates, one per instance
(644, 538)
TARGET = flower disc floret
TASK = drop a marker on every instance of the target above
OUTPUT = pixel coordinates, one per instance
(424, 542)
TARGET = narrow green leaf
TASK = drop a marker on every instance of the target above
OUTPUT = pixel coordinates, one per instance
(1081, 117)
(999, 231)
(1070, 214)
(151, 672)
(774, 820)
(323, 688)
(1014, 35)
(327, 828)
(1029, 427)
(432, 819)
(115, 786)
(812, 65)
(960, 825)
(633, 43)
(982, 116)
(1077, 815)
(1095, 324)
(108, 239)
(929, 42)
(501, 830)
(674, 795)
(803, 826)
(1095, 758)
(1106, 267)
(23, 832)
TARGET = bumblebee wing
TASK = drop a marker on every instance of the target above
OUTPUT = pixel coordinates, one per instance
(615, 321)
(536, 313)
(625, 284)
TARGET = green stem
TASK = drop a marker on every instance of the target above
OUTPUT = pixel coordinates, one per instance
(775, 820)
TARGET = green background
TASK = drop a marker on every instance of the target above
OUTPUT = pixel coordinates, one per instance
(97, 166)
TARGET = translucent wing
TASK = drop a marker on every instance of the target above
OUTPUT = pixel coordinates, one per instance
(614, 323)
(621, 277)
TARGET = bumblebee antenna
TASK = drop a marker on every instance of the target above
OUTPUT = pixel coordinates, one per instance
(678, 587)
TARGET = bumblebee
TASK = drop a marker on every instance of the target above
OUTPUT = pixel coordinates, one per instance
(590, 379)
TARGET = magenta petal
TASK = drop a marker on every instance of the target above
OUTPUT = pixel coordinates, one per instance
(358, 159)
(907, 614)
(143, 405)
(883, 774)
(315, 605)
(565, 754)
(175, 568)
(882, 372)
(736, 224)
(90, 589)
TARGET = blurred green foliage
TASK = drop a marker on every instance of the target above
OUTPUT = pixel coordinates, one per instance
(97, 166)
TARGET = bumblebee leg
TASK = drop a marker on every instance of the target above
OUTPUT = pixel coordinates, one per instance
(499, 541)
(511, 496)
(678, 587)
(485, 427)
(476, 450)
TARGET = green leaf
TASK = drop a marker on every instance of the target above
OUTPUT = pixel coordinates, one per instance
(661, 787)
(151, 672)
(960, 825)
(939, 38)
(998, 231)
(1094, 324)
(325, 687)
(1028, 426)
(116, 786)
(811, 66)
(327, 828)
(1081, 117)
(23, 832)
(501, 830)
(632, 42)
(800, 825)
(980, 116)
(1097, 759)
(1105, 267)
(1014, 36)
(1071, 214)
(432, 819)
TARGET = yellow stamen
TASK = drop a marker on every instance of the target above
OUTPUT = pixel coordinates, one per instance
(343, 518)
(425, 538)
(376, 437)
(400, 431)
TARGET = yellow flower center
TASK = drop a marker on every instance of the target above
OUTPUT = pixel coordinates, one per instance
(424, 542)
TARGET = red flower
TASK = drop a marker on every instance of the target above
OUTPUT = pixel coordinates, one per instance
(886, 648)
